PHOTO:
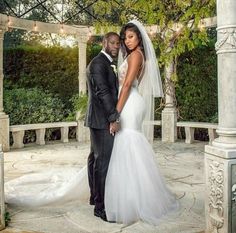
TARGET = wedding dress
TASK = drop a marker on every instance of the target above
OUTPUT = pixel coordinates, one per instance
(55, 187)
(135, 189)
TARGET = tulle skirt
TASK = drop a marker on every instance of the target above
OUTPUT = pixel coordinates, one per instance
(135, 189)
(54, 187)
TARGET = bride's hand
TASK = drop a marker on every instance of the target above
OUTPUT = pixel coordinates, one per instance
(114, 127)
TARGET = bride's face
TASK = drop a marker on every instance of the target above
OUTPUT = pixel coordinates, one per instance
(131, 39)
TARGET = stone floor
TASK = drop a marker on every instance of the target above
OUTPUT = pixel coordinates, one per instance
(181, 164)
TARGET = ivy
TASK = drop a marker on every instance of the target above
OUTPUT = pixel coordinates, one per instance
(164, 14)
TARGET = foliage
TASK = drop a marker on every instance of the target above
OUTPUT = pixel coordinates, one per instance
(53, 11)
(178, 21)
(3, 6)
(7, 218)
(196, 89)
(186, 14)
(92, 50)
(54, 69)
(27, 106)
(79, 105)
(13, 38)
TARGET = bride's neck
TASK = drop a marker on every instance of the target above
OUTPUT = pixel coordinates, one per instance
(135, 49)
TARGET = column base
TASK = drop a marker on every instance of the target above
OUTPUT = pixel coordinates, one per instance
(82, 133)
(4, 132)
(225, 142)
(220, 203)
(169, 125)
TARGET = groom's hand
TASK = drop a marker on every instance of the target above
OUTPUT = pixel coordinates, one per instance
(114, 127)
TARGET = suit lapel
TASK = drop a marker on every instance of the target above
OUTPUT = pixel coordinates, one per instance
(117, 82)
(102, 55)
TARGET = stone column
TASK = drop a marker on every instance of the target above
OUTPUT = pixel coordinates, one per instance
(169, 115)
(82, 46)
(4, 119)
(220, 158)
(82, 133)
(2, 198)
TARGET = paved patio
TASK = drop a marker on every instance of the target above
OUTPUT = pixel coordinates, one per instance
(181, 164)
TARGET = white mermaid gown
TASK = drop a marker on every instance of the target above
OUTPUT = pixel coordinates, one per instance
(134, 189)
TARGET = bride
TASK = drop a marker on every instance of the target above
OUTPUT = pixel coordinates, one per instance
(134, 190)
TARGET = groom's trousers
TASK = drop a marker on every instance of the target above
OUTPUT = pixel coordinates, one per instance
(98, 162)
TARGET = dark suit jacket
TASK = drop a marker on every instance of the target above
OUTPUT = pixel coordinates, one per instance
(103, 93)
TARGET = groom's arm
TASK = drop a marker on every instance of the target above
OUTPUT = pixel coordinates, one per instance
(99, 79)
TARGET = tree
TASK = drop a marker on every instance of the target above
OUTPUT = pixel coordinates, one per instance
(180, 24)
(178, 21)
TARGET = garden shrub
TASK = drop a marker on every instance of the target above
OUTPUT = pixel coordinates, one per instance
(196, 89)
(28, 106)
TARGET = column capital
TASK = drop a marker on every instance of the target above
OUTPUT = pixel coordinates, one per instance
(226, 42)
(3, 29)
(82, 38)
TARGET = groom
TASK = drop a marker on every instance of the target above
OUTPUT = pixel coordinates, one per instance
(101, 115)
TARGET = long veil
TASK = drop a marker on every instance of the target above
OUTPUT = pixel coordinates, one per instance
(151, 85)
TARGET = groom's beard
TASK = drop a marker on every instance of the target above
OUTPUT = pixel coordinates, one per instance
(112, 52)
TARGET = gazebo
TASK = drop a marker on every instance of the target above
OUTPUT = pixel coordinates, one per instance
(220, 154)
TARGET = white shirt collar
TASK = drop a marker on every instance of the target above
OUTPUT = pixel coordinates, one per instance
(107, 55)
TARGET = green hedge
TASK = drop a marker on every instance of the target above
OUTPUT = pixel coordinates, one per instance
(32, 106)
(54, 69)
(28, 106)
(196, 89)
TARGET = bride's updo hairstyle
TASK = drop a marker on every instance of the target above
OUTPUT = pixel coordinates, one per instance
(131, 27)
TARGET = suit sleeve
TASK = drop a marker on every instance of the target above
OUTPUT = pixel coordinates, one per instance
(98, 75)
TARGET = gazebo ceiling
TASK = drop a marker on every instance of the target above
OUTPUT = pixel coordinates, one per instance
(50, 11)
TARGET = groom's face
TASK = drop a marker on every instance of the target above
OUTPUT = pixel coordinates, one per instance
(112, 45)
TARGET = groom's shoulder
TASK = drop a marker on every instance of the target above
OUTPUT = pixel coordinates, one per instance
(97, 63)
(99, 59)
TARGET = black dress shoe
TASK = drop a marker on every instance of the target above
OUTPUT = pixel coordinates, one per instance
(101, 214)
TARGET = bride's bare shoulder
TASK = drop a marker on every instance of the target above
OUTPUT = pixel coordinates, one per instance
(135, 57)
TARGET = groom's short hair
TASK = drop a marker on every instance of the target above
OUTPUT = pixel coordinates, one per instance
(108, 35)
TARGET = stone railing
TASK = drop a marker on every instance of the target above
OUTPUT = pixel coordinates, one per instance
(18, 132)
(190, 127)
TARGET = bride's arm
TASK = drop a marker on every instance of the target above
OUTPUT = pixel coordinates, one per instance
(134, 63)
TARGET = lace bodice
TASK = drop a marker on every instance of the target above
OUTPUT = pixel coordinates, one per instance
(122, 71)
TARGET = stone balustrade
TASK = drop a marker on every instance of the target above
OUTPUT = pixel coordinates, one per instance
(18, 132)
(190, 127)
